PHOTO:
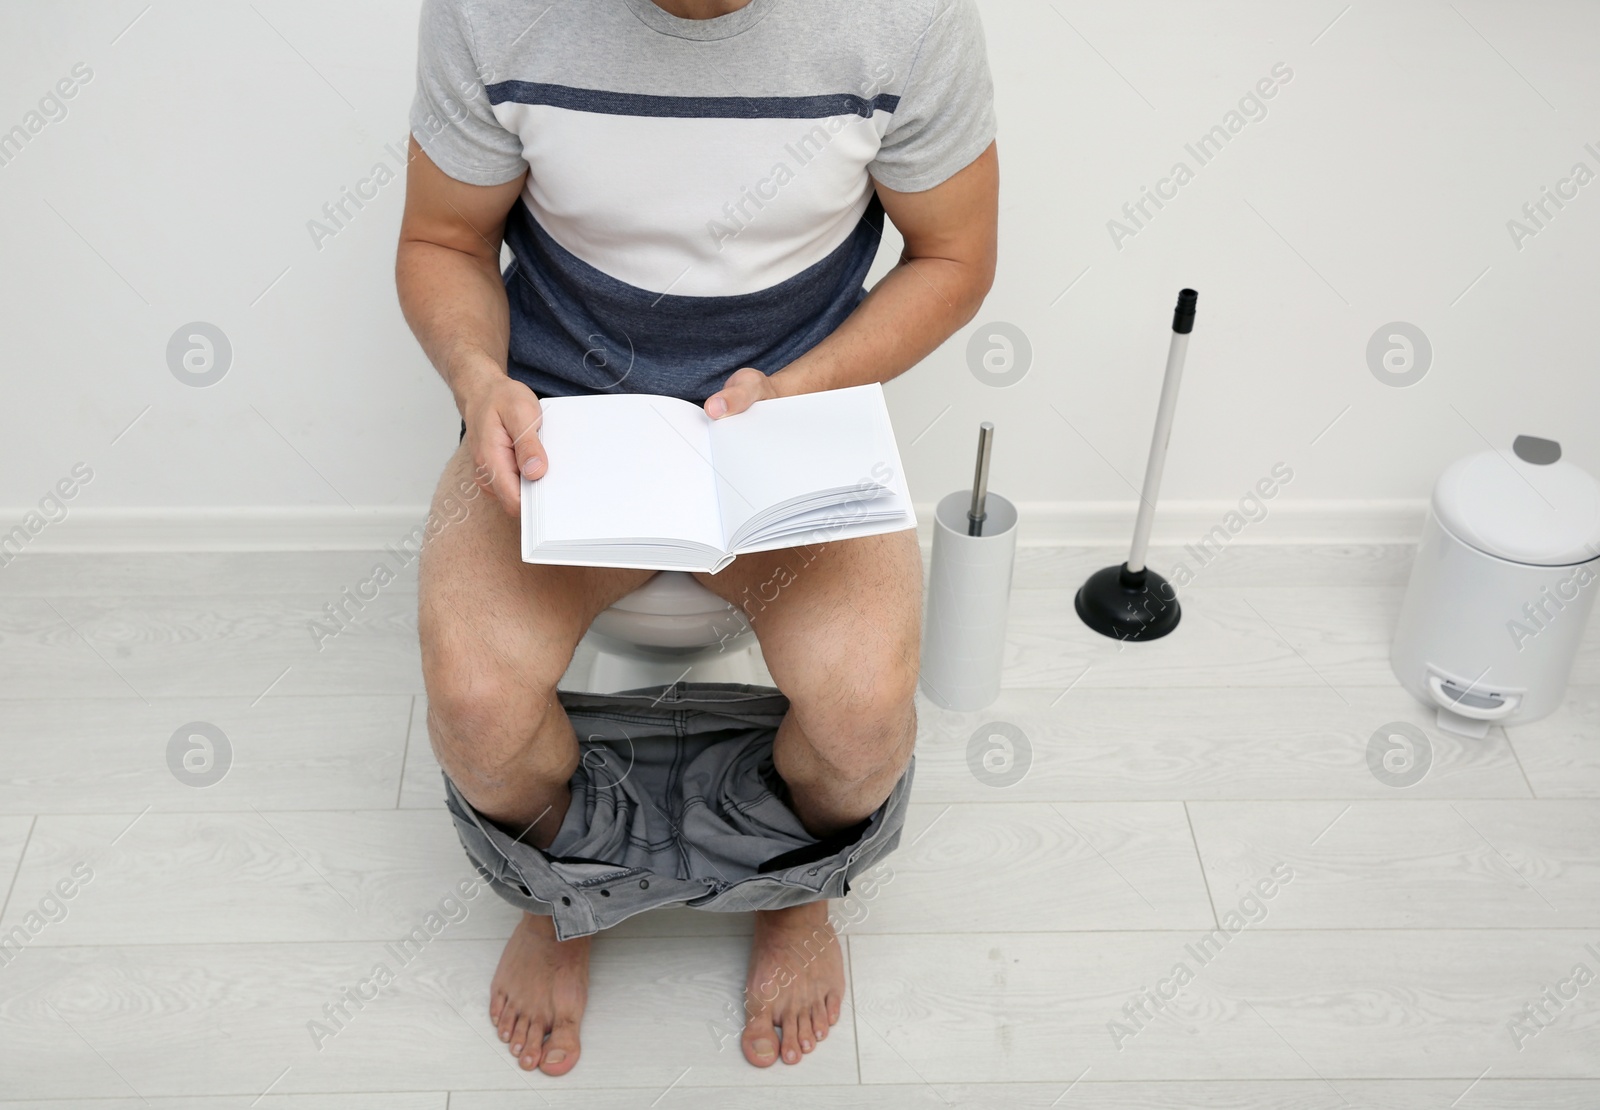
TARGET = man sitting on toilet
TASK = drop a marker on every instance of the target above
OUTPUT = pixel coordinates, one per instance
(692, 192)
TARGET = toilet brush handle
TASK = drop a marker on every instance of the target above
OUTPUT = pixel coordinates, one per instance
(1182, 325)
(980, 480)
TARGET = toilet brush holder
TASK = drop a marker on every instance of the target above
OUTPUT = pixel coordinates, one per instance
(969, 593)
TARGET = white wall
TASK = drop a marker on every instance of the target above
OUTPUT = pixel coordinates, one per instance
(1378, 188)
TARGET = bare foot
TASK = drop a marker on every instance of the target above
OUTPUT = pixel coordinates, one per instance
(796, 983)
(540, 989)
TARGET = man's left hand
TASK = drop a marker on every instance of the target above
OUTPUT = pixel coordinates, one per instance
(742, 389)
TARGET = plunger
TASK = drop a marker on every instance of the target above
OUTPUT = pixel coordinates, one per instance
(1131, 601)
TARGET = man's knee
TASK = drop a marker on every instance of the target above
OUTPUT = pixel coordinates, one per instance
(484, 720)
(864, 726)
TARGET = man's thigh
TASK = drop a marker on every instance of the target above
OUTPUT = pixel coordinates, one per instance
(834, 615)
(485, 617)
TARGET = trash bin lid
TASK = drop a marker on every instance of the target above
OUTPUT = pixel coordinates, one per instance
(1522, 504)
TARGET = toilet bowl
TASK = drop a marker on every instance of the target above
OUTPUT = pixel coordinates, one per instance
(670, 629)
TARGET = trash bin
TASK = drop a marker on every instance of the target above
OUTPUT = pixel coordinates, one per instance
(1502, 587)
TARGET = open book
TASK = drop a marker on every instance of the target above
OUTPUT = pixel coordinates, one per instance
(638, 480)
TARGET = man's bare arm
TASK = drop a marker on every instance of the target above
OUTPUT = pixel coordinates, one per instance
(944, 274)
(447, 272)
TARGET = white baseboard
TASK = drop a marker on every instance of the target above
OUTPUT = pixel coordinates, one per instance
(1043, 524)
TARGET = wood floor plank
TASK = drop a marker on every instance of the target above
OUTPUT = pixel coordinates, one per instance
(1489, 1094)
(14, 832)
(1089, 1094)
(1181, 743)
(1409, 864)
(1265, 636)
(1344, 632)
(1312, 1006)
(42, 655)
(1561, 753)
(1334, 636)
(1024, 867)
(256, 877)
(1248, 565)
(391, 1100)
(194, 1019)
(208, 573)
(111, 755)
(243, 645)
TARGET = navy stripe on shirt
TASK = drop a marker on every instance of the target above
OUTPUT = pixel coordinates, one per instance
(689, 107)
(576, 330)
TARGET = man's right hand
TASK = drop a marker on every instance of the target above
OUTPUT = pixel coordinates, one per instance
(447, 272)
(503, 421)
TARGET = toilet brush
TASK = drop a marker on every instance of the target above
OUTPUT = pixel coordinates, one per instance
(1131, 601)
(969, 591)
(980, 480)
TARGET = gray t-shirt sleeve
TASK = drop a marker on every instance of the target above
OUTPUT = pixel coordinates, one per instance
(945, 118)
(450, 114)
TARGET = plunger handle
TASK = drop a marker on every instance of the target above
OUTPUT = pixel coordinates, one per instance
(1182, 325)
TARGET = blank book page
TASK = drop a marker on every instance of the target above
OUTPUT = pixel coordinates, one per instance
(626, 467)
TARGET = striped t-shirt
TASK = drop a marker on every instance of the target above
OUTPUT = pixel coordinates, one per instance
(699, 197)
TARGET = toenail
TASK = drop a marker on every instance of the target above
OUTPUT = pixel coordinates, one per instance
(515, 1049)
(527, 1061)
(555, 1056)
(763, 1048)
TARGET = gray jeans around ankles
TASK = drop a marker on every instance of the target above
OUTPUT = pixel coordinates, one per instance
(675, 801)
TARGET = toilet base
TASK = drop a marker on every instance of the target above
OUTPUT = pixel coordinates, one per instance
(619, 667)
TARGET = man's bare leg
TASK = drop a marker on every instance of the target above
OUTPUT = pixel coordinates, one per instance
(840, 628)
(497, 635)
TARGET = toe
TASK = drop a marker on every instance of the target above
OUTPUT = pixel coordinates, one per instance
(791, 1038)
(760, 1041)
(834, 1008)
(804, 1031)
(497, 1003)
(819, 1020)
(509, 1016)
(532, 1053)
(519, 1035)
(561, 1050)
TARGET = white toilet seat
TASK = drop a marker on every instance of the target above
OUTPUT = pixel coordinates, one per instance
(671, 629)
(672, 612)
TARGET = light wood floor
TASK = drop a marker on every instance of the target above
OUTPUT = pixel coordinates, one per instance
(1165, 782)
